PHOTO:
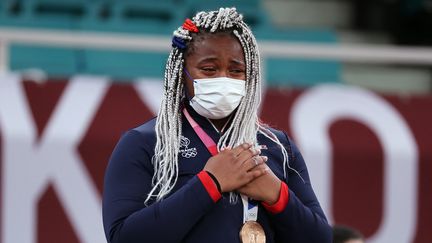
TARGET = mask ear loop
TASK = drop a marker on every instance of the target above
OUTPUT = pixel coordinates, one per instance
(193, 81)
(187, 74)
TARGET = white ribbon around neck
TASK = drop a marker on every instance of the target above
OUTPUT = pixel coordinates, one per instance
(250, 209)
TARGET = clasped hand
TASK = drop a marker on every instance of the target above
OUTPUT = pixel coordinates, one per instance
(243, 169)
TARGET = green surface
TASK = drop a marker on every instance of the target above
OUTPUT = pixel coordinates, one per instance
(300, 72)
(54, 61)
(124, 64)
(147, 17)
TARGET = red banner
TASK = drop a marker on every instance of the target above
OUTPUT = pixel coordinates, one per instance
(369, 155)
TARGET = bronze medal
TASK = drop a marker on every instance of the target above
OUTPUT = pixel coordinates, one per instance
(252, 232)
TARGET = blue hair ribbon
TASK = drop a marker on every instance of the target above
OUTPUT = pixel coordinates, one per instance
(178, 42)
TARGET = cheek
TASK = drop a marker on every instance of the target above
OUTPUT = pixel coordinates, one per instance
(188, 85)
(241, 76)
(187, 81)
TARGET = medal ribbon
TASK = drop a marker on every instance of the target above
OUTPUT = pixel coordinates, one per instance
(250, 207)
(205, 138)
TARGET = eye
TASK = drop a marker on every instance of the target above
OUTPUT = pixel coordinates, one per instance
(208, 69)
(237, 70)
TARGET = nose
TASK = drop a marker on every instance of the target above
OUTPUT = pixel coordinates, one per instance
(224, 73)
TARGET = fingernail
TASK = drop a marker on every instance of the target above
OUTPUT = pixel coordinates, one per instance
(265, 158)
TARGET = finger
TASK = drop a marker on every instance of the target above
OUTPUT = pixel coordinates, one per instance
(239, 149)
(258, 172)
(254, 162)
(226, 148)
(263, 146)
(248, 154)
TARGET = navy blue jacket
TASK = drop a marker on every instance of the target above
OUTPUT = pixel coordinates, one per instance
(189, 214)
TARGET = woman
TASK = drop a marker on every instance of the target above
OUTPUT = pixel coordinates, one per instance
(206, 169)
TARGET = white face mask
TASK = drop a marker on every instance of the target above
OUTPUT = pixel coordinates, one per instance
(217, 98)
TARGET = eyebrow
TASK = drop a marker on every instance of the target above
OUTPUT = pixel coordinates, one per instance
(208, 59)
(238, 62)
(214, 58)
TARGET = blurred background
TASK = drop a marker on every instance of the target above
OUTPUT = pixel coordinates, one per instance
(349, 80)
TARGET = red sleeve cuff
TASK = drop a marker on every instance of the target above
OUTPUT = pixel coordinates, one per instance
(209, 185)
(281, 203)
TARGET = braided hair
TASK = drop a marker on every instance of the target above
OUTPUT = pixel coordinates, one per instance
(245, 124)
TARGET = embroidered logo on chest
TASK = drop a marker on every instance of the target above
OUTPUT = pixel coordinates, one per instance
(185, 151)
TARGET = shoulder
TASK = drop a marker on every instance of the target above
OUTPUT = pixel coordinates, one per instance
(285, 140)
(146, 129)
(136, 146)
(281, 135)
(143, 135)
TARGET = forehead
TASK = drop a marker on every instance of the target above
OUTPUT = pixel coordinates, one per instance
(219, 45)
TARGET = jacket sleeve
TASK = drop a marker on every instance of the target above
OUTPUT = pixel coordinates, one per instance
(302, 220)
(128, 180)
